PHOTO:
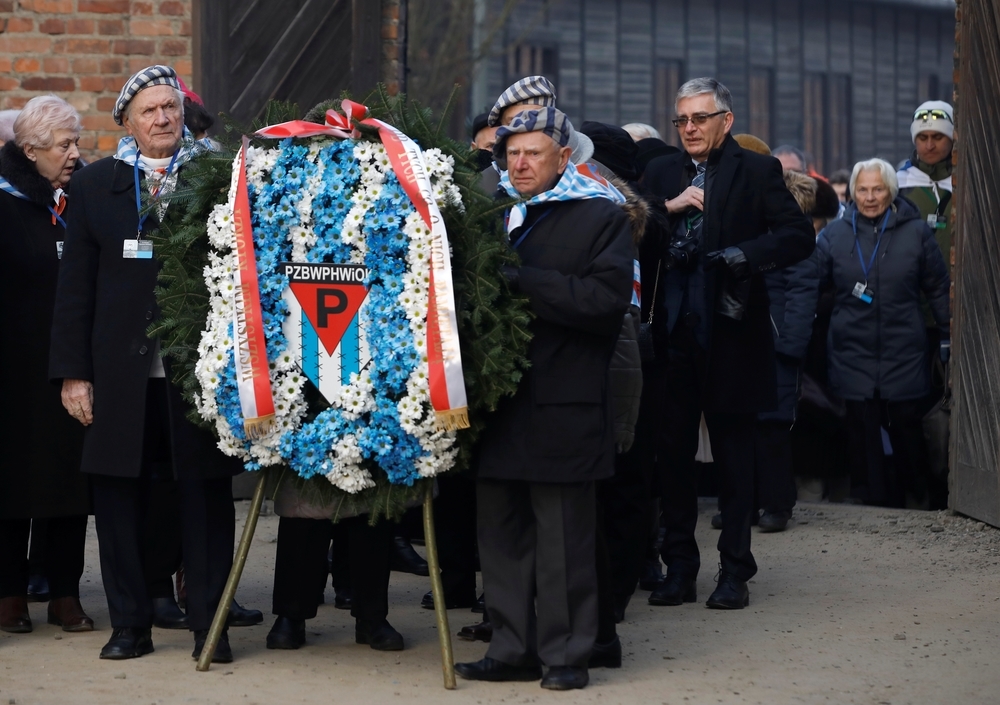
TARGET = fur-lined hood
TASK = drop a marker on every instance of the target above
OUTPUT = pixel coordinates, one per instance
(803, 190)
(21, 172)
(635, 207)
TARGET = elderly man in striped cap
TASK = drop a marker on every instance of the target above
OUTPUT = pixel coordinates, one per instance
(114, 381)
(545, 447)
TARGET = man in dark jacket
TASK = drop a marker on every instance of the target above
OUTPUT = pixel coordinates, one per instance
(544, 448)
(733, 220)
(114, 382)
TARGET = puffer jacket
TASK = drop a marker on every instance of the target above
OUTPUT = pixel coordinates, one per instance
(882, 346)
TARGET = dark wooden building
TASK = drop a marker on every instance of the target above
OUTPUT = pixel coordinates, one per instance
(838, 78)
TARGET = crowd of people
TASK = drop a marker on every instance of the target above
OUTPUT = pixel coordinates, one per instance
(720, 306)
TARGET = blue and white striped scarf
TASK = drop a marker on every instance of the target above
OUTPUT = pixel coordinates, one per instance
(11, 189)
(573, 186)
(190, 148)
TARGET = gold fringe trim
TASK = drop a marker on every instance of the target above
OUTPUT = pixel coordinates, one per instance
(452, 419)
(259, 427)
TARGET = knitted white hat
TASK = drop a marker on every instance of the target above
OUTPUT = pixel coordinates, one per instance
(933, 116)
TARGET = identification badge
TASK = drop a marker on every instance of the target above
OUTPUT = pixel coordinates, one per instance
(862, 292)
(932, 220)
(137, 249)
(59, 248)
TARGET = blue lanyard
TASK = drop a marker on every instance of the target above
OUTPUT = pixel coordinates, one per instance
(530, 227)
(878, 241)
(57, 217)
(138, 198)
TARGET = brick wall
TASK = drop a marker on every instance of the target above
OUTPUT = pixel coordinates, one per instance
(84, 50)
(394, 45)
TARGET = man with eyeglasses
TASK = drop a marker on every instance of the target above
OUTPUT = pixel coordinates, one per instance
(732, 220)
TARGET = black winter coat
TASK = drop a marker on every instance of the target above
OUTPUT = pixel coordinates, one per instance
(749, 206)
(882, 346)
(104, 305)
(40, 473)
(576, 268)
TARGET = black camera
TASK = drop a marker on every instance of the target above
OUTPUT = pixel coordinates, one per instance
(682, 254)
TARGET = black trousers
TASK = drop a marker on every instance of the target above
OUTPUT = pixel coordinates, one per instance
(455, 520)
(733, 436)
(62, 540)
(300, 566)
(537, 549)
(873, 478)
(776, 490)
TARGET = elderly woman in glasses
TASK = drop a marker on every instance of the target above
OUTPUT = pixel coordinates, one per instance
(40, 476)
(880, 257)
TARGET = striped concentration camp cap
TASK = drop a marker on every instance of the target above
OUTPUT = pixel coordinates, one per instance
(150, 76)
(536, 90)
(548, 121)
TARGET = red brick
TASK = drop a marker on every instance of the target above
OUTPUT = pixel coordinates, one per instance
(111, 27)
(89, 65)
(174, 47)
(185, 30)
(5, 65)
(142, 8)
(26, 65)
(52, 26)
(103, 6)
(48, 83)
(390, 32)
(52, 6)
(7, 83)
(151, 28)
(133, 46)
(14, 102)
(114, 83)
(21, 24)
(80, 26)
(25, 45)
(82, 46)
(99, 122)
(107, 104)
(52, 64)
(172, 8)
(111, 66)
(6, 5)
(185, 68)
(107, 143)
(94, 84)
(88, 141)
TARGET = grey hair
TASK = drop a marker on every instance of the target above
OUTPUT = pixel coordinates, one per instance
(41, 117)
(884, 168)
(789, 149)
(7, 118)
(641, 131)
(127, 110)
(701, 86)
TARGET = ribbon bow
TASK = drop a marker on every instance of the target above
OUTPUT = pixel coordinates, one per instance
(336, 125)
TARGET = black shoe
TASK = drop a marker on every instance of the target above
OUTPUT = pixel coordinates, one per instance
(480, 606)
(343, 599)
(378, 635)
(717, 521)
(477, 632)
(223, 652)
(770, 522)
(620, 604)
(449, 603)
(287, 634)
(676, 589)
(38, 588)
(607, 655)
(167, 615)
(565, 678)
(242, 617)
(730, 594)
(489, 669)
(405, 560)
(128, 642)
(652, 575)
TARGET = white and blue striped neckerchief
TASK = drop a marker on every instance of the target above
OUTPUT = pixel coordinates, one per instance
(190, 148)
(11, 189)
(573, 186)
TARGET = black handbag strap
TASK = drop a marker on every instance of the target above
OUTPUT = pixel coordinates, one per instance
(656, 286)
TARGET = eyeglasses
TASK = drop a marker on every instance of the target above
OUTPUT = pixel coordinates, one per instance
(927, 115)
(698, 118)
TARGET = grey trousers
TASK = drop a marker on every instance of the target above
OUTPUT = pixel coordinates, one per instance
(537, 550)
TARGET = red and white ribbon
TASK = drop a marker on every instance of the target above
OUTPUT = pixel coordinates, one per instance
(336, 125)
(250, 348)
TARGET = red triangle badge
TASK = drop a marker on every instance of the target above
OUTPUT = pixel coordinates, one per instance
(330, 296)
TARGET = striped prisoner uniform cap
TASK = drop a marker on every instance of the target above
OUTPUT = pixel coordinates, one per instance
(536, 90)
(150, 76)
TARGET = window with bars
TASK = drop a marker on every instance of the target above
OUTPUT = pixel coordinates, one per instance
(667, 79)
(532, 60)
(826, 106)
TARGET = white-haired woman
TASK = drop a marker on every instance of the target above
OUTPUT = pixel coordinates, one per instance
(40, 475)
(880, 257)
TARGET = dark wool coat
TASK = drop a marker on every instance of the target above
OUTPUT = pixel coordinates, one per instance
(40, 473)
(883, 345)
(749, 206)
(104, 304)
(576, 267)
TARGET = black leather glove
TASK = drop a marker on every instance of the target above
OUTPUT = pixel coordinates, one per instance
(731, 257)
(513, 277)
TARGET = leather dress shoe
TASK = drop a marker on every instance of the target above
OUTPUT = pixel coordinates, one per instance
(128, 642)
(167, 615)
(771, 522)
(223, 652)
(480, 606)
(489, 669)
(477, 632)
(242, 617)
(378, 635)
(620, 604)
(343, 599)
(67, 612)
(450, 603)
(406, 560)
(14, 617)
(607, 655)
(676, 589)
(287, 633)
(652, 574)
(565, 678)
(730, 594)
(38, 588)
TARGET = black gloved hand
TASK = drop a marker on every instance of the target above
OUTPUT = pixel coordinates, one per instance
(945, 350)
(731, 257)
(512, 275)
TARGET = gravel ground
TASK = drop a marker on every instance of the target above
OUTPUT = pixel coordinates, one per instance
(851, 605)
